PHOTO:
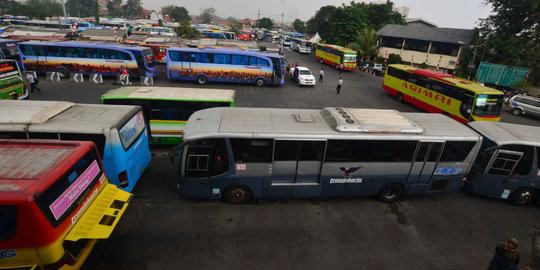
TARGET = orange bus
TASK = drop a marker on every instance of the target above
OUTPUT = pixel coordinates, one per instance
(55, 202)
(436, 92)
(336, 56)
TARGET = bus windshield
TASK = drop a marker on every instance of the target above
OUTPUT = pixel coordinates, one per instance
(488, 105)
(349, 58)
(131, 130)
(149, 56)
(10, 52)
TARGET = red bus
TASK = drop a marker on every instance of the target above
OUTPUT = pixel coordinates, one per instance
(55, 202)
(159, 50)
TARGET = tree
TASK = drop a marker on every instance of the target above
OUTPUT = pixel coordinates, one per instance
(394, 59)
(40, 9)
(96, 11)
(178, 14)
(365, 43)
(320, 22)
(133, 9)
(234, 24)
(299, 26)
(186, 31)
(80, 8)
(114, 7)
(207, 15)
(265, 23)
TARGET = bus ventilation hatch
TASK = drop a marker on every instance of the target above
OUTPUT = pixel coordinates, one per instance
(369, 121)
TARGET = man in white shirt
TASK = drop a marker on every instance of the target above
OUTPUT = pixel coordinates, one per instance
(321, 75)
(32, 81)
(338, 88)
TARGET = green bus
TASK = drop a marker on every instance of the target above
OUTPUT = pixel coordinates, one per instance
(11, 81)
(167, 109)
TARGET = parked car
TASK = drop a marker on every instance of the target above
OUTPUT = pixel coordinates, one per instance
(522, 104)
(303, 76)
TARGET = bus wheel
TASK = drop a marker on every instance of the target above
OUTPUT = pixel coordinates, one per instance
(390, 193)
(259, 82)
(523, 196)
(517, 111)
(237, 194)
(399, 97)
(62, 72)
(202, 80)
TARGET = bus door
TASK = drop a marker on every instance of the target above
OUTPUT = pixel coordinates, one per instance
(186, 59)
(423, 166)
(41, 55)
(277, 74)
(296, 168)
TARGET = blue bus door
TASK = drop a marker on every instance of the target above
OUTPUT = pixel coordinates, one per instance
(296, 168)
(423, 166)
(187, 58)
(499, 172)
(41, 56)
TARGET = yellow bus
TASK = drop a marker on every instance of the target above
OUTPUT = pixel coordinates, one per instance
(336, 56)
(436, 92)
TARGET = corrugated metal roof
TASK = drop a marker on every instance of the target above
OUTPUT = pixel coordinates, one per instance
(447, 35)
(28, 163)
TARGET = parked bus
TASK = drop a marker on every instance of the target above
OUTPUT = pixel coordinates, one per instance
(119, 132)
(8, 50)
(437, 92)
(155, 30)
(159, 51)
(225, 65)
(167, 109)
(55, 202)
(301, 45)
(244, 35)
(87, 57)
(508, 165)
(336, 56)
(11, 81)
(213, 34)
(243, 153)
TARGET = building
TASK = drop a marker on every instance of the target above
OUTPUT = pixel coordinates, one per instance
(421, 42)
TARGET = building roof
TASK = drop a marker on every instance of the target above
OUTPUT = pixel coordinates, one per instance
(447, 35)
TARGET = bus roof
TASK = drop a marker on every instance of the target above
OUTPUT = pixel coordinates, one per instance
(25, 165)
(55, 116)
(170, 93)
(222, 50)
(450, 79)
(339, 48)
(506, 133)
(321, 124)
(89, 44)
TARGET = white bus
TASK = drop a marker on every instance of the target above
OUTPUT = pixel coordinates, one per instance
(301, 45)
(243, 153)
(119, 132)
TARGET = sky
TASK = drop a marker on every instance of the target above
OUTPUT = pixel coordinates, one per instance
(443, 13)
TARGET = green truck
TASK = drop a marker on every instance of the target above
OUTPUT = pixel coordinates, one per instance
(500, 75)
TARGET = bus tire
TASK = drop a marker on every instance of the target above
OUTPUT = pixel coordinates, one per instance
(237, 194)
(399, 97)
(202, 79)
(259, 82)
(390, 193)
(523, 196)
(62, 72)
(517, 111)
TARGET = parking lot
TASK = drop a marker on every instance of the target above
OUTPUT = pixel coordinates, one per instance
(161, 230)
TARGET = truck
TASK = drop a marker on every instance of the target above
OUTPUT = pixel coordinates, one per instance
(500, 75)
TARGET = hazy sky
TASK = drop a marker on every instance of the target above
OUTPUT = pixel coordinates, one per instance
(444, 13)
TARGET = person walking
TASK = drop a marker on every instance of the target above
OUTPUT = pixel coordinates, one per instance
(33, 82)
(124, 76)
(338, 88)
(321, 75)
(506, 256)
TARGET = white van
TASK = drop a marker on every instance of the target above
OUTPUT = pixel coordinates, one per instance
(522, 104)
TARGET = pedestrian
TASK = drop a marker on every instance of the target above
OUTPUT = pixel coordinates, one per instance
(124, 76)
(288, 69)
(338, 88)
(321, 75)
(33, 82)
(506, 256)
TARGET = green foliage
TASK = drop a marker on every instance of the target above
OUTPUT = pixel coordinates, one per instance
(365, 43)
(80, 8)
(235, 25)
(394, 59)
(37, 9)
(96, 11)
(114, 7)
(339, 25)
(299, 26)
(133, 9)
(178, 14)
(186, 31)
(207, 15)
(160, 22)
(265, 23)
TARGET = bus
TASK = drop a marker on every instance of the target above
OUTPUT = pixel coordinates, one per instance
(11, 81)
(87, 57)
(301, 45)
(213, 34)
(336, 56)
(55, 203)
(508, 165)
(159, 50)
(244, 35)
(436, 92)
(167, 109)
(244, 153)
(119, 132)
(225, 65)
(8, 50)
(155, 30)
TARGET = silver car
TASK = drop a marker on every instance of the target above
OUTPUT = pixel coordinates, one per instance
(522, 104)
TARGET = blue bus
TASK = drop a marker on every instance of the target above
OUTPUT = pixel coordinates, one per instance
(119, 132)
(225, 65)
(87, 57)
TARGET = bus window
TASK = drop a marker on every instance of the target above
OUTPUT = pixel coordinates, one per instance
(524, 165)
(129, 133)
(222, 58)
(252, 150)
(198, 158)
(370, 151)
(8, 221)
(27, 50)
(240, 60)
(456, 150)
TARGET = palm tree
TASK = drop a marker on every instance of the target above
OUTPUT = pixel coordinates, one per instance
(364, 43)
